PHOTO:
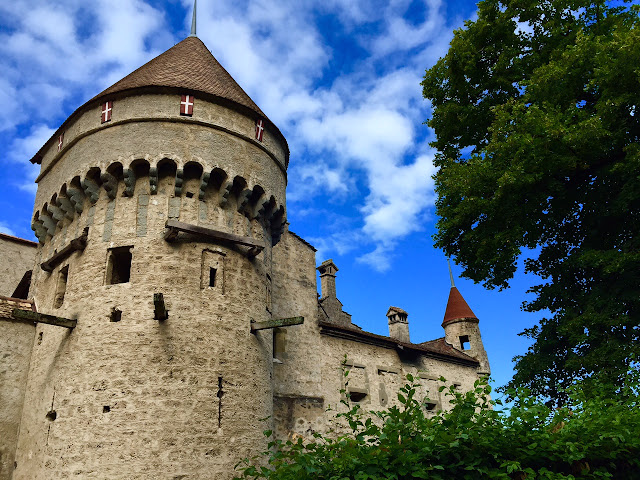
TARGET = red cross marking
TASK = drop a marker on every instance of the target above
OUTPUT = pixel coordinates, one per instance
(106, 111)
(60, 141)
(186, 105)
(259, 129)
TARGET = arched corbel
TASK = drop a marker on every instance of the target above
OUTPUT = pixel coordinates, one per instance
(110, 184)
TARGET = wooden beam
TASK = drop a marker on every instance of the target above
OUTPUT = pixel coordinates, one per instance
(174, 227)
(31, 316)
(276, 323)
(159, 309)
(76, 244)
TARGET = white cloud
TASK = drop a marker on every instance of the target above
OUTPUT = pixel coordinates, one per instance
(355, 135)
(4, 228)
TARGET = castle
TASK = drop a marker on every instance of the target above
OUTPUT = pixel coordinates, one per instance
(167, 310)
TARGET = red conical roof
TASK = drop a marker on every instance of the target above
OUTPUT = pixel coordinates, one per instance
(457, 308)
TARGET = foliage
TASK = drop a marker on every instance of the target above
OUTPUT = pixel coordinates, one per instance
(536, 109)
(592, 437)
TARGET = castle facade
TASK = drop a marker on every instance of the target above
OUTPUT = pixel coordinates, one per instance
(167, 315)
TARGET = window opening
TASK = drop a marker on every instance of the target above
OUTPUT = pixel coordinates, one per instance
(119, 265)
(61, 287)
(464, 342)
(212, 276)
(357, 396)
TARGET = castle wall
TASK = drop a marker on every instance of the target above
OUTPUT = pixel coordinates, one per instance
(22, 255)
(123, 395)
(16, 343)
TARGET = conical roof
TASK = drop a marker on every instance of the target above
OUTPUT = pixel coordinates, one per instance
(190, 66)
(457, 308)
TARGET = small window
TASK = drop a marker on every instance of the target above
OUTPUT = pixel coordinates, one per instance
(430, 406)
(464, 342)
(61, 287)
(119, 265)
(212, 273)
(278, 344)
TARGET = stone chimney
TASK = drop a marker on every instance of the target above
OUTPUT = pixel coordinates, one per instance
(328, 271)
(398, 324)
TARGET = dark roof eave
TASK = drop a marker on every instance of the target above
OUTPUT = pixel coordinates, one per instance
(333, 330)
(249, 112)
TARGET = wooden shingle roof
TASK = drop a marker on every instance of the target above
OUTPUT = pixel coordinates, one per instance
(188, 65)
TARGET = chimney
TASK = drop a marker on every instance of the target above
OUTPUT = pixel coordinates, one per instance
(398, 324)
(328, 271)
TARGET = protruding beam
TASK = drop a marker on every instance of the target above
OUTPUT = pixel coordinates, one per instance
(276, 323)
(174, 227)
(76, 244)
(159, 309)
(30, 316)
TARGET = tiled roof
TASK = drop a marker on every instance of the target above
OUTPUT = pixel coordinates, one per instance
(457, 308)
(188, 65)
(24, 241)
(7, 305)
(435, 348)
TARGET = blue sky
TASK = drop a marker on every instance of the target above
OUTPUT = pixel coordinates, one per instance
(340, 78)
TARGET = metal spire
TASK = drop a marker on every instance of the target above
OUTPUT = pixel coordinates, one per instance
(193, 20)
(450, 273)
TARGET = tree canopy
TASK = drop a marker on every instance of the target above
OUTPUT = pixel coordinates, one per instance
(536, 110)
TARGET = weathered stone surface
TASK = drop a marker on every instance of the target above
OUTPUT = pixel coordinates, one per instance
(22, 254)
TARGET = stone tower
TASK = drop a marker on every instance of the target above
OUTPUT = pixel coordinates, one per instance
(462, 331)
(158, 204)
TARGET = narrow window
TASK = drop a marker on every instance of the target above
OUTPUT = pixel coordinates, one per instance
(212, 276)
(212, 272)
(278, 344)
(61, 287)
(119, 265)
(464, 342)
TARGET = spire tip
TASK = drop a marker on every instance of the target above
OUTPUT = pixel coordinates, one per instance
(450, 273)
(193, 20)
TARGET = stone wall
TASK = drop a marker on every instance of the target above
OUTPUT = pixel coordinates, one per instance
(16, 343)
(22, 254)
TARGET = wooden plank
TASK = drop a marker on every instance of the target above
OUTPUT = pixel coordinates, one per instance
(276, 323)
(175, 226)
(76, 244)
(31, 316)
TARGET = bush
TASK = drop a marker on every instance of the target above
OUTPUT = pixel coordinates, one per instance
(591, 437)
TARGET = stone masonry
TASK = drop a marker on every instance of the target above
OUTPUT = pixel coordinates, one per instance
(159, 332)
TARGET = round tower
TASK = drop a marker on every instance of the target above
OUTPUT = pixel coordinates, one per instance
(462, 330)
(158, 204)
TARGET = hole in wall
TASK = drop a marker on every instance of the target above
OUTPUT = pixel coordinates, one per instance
(106, 409)
(464, 342)
(51, 415)
(116, 315)
(357, 396)
(40, 335)
(430, 406)
(189, 194)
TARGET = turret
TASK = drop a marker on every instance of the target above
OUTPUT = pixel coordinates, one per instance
(462, 331)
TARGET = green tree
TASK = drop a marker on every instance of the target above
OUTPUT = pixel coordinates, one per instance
(536, 110)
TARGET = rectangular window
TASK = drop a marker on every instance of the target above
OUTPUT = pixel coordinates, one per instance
(212, 271)
(464, 342)
(61, 287)
(119, 265)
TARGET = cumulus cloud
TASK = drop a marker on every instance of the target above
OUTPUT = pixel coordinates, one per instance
(356, 134)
